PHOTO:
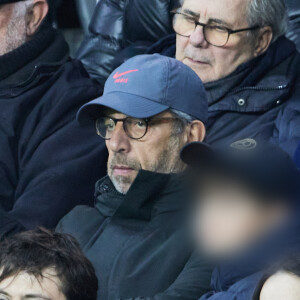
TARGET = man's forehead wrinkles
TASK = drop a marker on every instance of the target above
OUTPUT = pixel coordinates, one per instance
(204, 17)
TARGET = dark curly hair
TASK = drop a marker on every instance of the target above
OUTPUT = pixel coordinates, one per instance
(34, 251)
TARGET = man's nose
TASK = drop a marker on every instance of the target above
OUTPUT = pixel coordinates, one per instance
(119, 141)
(197, 38)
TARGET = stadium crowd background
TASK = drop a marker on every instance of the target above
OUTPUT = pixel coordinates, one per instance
(130, 240)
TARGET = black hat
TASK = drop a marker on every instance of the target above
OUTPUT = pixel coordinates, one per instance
(261, 165)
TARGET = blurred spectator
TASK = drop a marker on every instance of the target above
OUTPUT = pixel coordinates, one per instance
(133, 236)
(40, 264)
(281, 282)
(48, 164)
(246, 213)
(251, 76)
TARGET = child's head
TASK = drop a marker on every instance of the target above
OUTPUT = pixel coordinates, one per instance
(41, 264)
(242, 193)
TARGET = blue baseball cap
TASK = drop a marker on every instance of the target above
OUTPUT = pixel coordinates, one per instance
(259, 164)
(147, 85)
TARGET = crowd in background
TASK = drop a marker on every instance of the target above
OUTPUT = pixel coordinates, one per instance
(153, 154)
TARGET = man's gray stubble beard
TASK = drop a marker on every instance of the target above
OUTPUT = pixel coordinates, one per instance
(16, 33)
(166, 164)
(16, 28)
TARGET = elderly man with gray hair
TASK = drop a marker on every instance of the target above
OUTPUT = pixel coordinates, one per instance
(43, 154)
(250, 69)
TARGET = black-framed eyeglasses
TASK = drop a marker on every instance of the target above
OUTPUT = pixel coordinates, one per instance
(135, 128)
(214, 34)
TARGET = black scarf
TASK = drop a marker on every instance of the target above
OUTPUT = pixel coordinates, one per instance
(47, 46)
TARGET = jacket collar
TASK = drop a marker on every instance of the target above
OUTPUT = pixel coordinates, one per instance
(107, 198)
(258, 82)
(165, 46)
(150, 194)
(47, 48)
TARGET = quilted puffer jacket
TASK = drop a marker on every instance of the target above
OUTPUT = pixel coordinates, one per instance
(121, 29)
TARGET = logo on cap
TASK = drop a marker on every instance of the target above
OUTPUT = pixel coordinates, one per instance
(122, 80)
(246, 144)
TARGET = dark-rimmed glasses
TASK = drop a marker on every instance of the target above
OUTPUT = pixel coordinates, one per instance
(135, 128)
(214, 34)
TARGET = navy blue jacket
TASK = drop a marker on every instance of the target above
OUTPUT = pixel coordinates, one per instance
(135, 241)
(238, 278)
(48, 163)
(261, 99)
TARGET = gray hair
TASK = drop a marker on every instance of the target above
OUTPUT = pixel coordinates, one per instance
(185, 118)
(16, 28)
(271, 13)
(182, 115)
(20, 8)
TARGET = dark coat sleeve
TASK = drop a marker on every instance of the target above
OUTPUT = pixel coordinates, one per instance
(192, 282)
(223, 296)
(297, 157)
(287, 131)
(241, 290)
(59, 162)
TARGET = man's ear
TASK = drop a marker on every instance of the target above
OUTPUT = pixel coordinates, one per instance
(197, 132)
(35, 15)
(264, 40)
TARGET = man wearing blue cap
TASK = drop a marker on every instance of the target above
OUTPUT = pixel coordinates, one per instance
(43, 154)
(150, 109)
(246, 213)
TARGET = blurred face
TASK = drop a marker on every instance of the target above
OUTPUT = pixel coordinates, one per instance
(281, 286)
(212, 63)
(229, 217)
(25, 286)
(158, 151)
(12, 26)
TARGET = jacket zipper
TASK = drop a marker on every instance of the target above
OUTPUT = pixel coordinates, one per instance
(26, 84)
(278, 88)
